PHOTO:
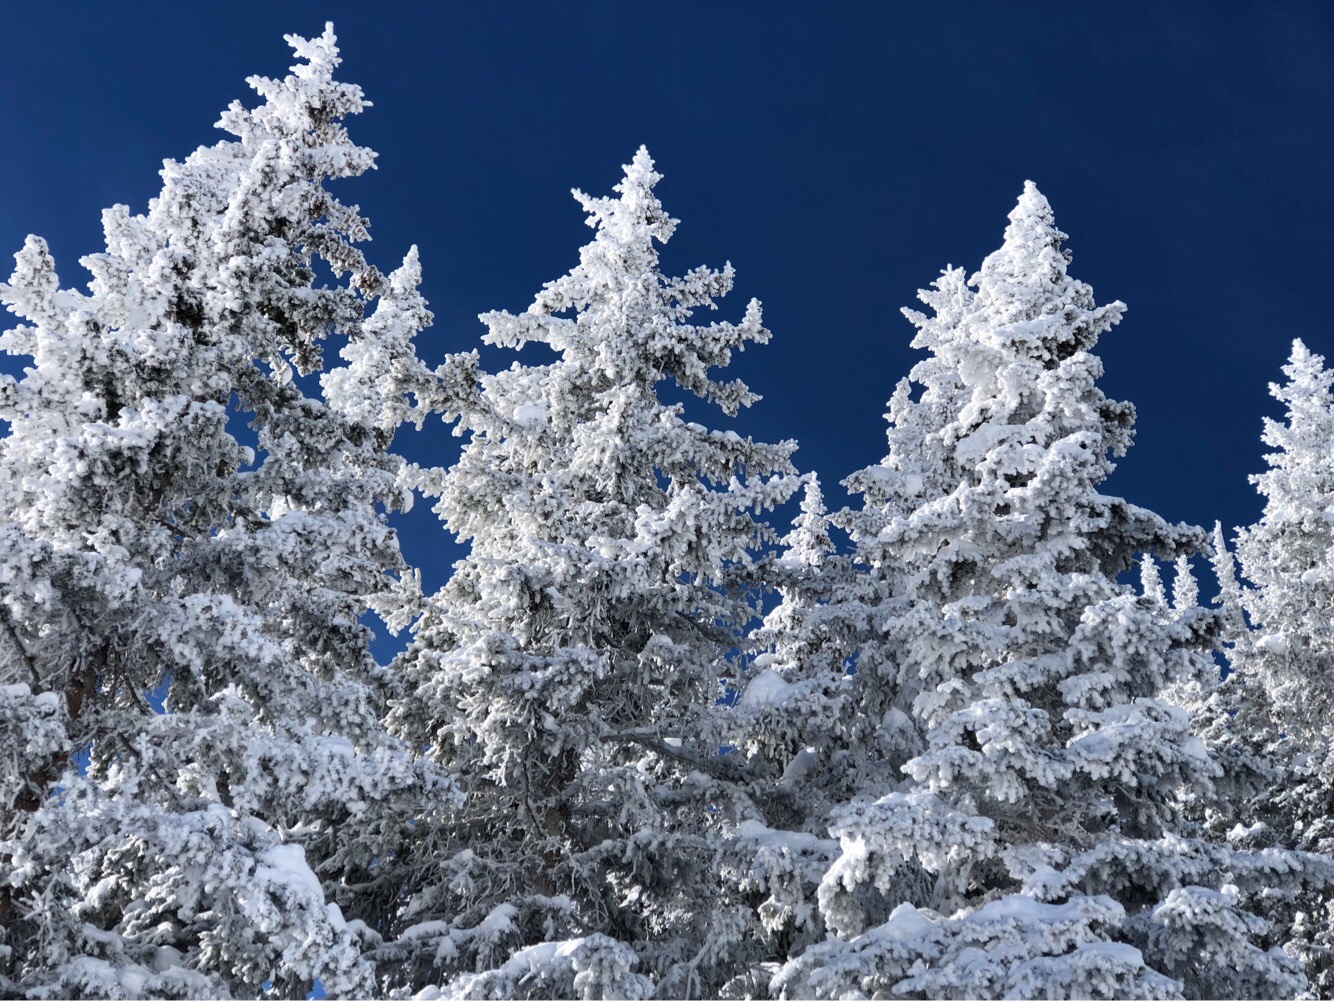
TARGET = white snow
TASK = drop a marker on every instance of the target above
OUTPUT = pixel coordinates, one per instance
(530, 414)
(801, 765)
(286, 865)
(793, 841)
(47, 701)
(766, 688)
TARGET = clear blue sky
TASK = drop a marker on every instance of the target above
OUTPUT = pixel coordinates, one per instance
(838, 154)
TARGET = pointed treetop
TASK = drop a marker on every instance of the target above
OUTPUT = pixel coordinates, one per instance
(1306, 374)
(1309, 398)
(1224, 567)
(407, 276)
(1150, 581)
(812, 498)
(629, 319)
(1185, 590)
(637, 214)
(639, 174)
(320, 54)
(1029, 296)
(1229, 591)
(1031, 239)
(307, 102)
(1033, 209)
(31, 291)
(808, 543)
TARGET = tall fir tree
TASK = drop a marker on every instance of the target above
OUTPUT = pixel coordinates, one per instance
(1274, 717)
(824, 712)
(835, 705)
(1235, 717)
(567, 672)
(150, 544)
(1036, 846)
(1287, 557)
(798, 725)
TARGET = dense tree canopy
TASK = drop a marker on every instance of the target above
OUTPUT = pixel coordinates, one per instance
(957, 740)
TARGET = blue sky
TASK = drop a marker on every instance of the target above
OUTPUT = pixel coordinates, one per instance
(838, 154)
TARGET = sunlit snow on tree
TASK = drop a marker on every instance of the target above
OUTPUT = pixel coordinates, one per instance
(147, 548)
(1041, 823)
(966, 738)
(568, 672)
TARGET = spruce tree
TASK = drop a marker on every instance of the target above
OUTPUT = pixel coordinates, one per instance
(1287, 557)
(152, 544)
(1036, 845)
(796, 722)
(567, 672)
(1235, 717)
(1276, 713)
(827, 707)
(793, 705)
(824, 710)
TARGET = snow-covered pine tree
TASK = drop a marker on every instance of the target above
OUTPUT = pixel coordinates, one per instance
(1288, 555)
(568, 671)
(826, 710)
(1035, 847)
(147, 546)
(825, 714)
(793, 720)
(1234, 716)
(1273, 791)
(1278, 716)
(843, 695)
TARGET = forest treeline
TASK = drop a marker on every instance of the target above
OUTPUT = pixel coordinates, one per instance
(958, 739)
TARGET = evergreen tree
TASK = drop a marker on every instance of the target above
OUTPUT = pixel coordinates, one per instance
(824, 716)
(793, 720)
(1272, 793)
(152, 545)
(793, 701)
(1036, 846)
(1276, 712)
(1288, 555)
(1234, 716)
(567, 672)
